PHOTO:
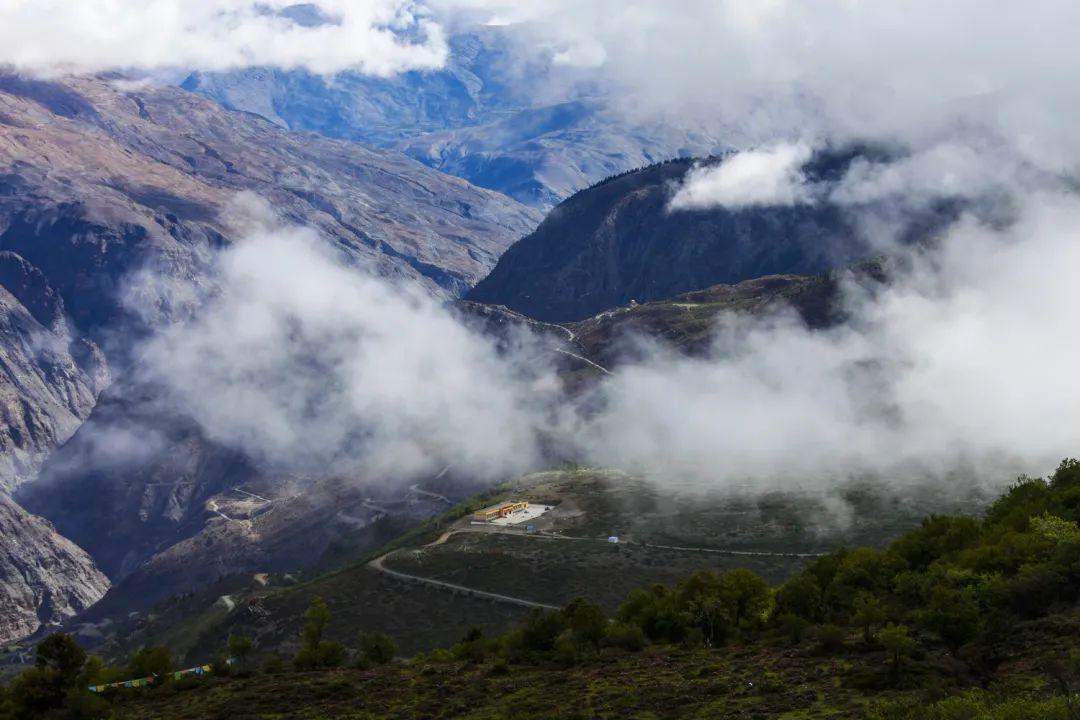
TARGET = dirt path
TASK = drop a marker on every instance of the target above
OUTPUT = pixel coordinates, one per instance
(377, 564)
(631, 543)
(722, 551)
(583, 359)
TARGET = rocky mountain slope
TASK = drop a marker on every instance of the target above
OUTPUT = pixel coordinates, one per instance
(50, 377)
(44, 578)
(113, 199)
(484, 117)
(616, 242)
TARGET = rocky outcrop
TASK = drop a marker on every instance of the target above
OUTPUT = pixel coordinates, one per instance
(49, 380)
(134, 479)
(44, 578)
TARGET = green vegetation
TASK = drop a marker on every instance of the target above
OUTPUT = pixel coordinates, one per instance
(375, 649)
(961, 618)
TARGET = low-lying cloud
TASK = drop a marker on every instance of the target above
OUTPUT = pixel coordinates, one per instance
(308, 364)
(764, 176)
(916, 72)
(964, 362)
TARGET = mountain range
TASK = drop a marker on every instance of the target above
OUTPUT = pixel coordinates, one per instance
(118, 195)
(523, 128)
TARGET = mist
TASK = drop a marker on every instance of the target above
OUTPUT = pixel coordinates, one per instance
(963, 362)
(308, 364)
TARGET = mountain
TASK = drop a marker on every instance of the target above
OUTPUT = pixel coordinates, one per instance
(114, 196)
(118, 513)
(487, 117)
(46, 578)
(688, 322)
(113, 199)
(375, 110)
(618, 243)
(542, 155)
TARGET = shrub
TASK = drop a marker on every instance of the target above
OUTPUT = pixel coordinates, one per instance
(830, 638)
(954, 615)
(376, 648)
(151, 661)
(746, 596)
(624, 636)
(318, 657)
(794, 626)
(800, 597)
(897, 641)
(240, 646)
(273, 664)
(586, 621)
(868, 613)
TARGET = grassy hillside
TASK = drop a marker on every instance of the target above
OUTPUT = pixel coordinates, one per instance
(568, 556)
(961, 618)
(762, 680)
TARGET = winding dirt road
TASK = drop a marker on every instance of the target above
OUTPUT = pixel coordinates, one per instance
(378, 565)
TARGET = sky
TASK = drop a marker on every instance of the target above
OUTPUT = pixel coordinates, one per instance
(967, 360)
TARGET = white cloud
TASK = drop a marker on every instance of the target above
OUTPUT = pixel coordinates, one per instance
(965, 361)
(764, 176)
(915, 72)
(307, 363)
(380, 37)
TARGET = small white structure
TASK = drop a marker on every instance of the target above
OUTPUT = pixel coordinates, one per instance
(531, 512)
(613, 539)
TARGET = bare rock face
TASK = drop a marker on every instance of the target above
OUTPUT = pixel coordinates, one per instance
(96, 181)
(49, 380)
(44, 578)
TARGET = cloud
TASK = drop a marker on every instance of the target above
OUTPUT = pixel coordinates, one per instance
(914, 72)
(964, 361)
(378, 37)
(310, 364)
(763, 176)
